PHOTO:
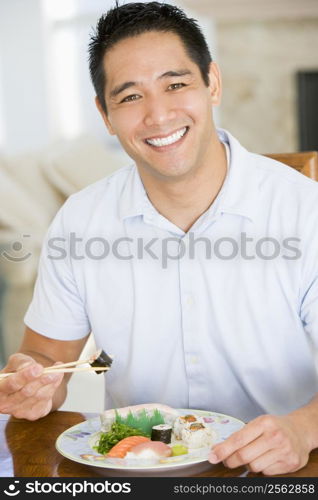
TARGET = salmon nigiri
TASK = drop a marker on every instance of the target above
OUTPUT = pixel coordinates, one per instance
(122, 447)
(150, 449)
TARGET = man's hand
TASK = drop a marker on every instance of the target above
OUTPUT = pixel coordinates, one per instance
(27, 393)
(269, 444)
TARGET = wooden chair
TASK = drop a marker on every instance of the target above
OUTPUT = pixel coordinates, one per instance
(305, 162)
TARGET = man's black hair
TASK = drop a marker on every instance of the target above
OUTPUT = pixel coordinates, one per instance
(132, 19)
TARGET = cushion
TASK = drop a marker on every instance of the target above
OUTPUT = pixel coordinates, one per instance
(18, 209)
(27, 171)
(74, 164)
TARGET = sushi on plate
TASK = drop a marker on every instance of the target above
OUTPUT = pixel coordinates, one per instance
(192, 431)
(121, 449)
(150, 449)
(197, 435)
(184, 422)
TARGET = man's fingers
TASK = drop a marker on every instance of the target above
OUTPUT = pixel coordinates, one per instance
(248, 453)
(17, 361)
(13, 383)
(45, 392)
(33, 410)
(241, 438)
(32, 389)
(235, 442)
(259, 458)
(27, 393)
(18, 404)
(268, 460)
(290, 462)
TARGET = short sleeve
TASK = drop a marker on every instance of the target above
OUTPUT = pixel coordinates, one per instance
(57, 310)
(309, 284)
(309, 311)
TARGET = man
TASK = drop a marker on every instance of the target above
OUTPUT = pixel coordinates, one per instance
(229, 332)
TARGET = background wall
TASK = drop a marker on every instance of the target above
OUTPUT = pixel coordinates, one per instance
(45, 90)
(259, 60)
(46, 94)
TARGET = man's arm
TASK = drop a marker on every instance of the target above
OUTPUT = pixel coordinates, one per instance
(272, 444)
(29, 393)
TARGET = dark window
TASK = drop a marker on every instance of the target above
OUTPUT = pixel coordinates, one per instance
(308, 110)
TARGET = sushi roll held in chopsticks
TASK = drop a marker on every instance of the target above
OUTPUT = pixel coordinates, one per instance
(100, 360)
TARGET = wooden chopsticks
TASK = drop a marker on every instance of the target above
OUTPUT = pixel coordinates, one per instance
(70, 367)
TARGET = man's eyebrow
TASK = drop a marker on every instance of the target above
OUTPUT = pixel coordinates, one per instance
(181, 72)
(123, 86)
(120, 88)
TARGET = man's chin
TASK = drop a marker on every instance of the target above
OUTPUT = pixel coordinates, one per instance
(164, 171)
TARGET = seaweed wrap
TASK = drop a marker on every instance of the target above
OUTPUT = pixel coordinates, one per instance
(101, 359)
(161, 432)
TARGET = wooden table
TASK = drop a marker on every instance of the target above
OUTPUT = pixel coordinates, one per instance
(27, 449)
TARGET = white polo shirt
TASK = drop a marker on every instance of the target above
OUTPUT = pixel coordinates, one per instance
(223, 317)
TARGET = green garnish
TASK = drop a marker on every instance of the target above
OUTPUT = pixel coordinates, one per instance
(141, 421)
(117, 432)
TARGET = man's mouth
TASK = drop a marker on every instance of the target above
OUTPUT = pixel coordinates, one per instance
(159, 142)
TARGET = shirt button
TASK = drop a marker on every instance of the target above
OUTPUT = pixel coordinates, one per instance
(194, 360)
(189, 300)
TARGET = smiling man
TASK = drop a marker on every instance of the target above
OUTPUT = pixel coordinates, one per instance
(163, 118)
(230, 332)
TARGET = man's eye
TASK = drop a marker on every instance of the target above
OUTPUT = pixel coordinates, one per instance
(129, 98)
(175, 86)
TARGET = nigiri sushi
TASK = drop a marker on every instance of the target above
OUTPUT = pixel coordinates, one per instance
(150, 449)
(122, 447)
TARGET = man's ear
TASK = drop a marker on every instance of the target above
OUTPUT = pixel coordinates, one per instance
(215, 84)
(104, 116)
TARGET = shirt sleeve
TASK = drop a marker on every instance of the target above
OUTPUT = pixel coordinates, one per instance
(57, 310)
(309, 312)
(309, 285)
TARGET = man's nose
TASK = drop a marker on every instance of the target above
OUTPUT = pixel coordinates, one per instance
(158, 111)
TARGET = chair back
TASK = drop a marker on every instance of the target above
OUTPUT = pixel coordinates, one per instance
(305, 162)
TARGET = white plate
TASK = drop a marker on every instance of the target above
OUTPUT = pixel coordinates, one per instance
(76, 443)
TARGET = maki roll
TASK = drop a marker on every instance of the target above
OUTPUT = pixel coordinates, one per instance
(101, 360)
(161, 432)
(184, 422)
(197, 435)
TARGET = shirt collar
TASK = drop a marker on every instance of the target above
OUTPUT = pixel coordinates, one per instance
(133, 197)
(241, 188)
(238, 196)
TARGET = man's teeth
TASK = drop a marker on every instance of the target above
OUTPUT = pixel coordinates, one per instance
(165, 141)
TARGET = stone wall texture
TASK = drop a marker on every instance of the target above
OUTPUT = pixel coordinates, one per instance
(259, 61)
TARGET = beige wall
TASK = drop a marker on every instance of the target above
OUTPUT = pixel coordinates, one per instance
(258, 60)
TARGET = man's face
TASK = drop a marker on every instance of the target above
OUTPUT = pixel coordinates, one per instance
(158, 105)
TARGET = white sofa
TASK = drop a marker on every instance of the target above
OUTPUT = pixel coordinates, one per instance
(33, 186)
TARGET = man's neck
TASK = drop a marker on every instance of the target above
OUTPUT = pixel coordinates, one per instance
(183, 201)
